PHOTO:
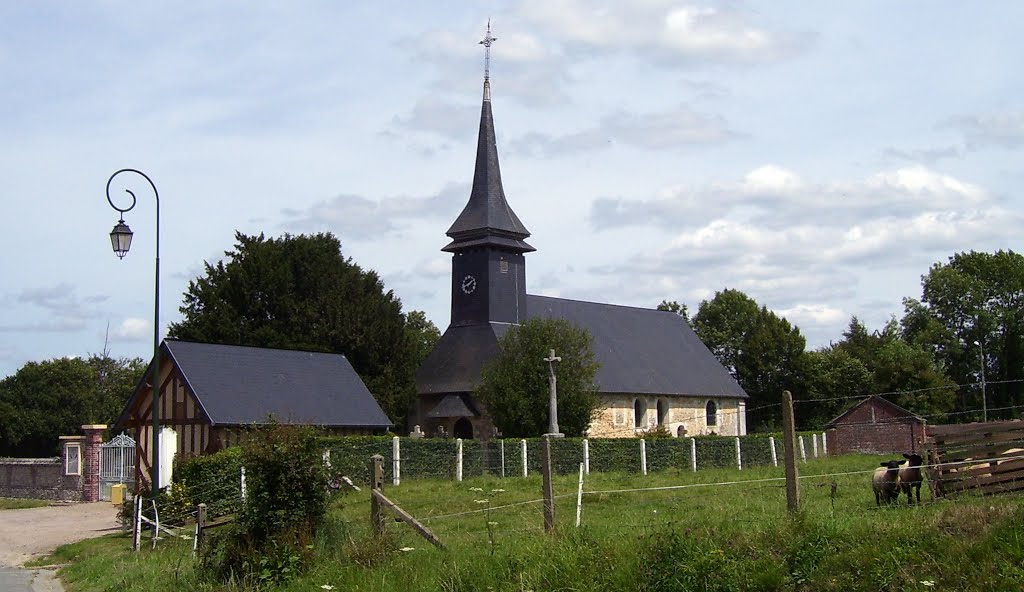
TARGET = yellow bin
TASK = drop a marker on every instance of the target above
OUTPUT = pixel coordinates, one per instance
(117, 493)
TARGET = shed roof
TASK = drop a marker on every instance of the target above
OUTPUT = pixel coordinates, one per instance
(241, 385)
(880, 402)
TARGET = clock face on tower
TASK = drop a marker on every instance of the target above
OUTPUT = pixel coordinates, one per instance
(468, 284)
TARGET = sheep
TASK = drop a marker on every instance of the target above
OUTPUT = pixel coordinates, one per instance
(910, 477)
(886, 482)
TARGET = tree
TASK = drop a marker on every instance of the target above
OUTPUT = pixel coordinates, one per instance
(972, 303)
(45, 400)
(762, 351)
(673, 306)
(514, 385)
(301, 293)
(833, 375)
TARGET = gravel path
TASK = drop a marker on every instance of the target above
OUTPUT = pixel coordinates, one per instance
(29, 533)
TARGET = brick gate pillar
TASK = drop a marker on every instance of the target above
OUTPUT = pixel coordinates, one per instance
(91, 462)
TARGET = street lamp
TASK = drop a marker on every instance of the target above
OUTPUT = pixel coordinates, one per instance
(121, 241)
(984, 403)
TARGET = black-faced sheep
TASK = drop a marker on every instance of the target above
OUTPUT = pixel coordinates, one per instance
(886, 482)
(910, 477)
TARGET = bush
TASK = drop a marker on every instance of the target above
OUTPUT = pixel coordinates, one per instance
(214, 480)
(285, 505)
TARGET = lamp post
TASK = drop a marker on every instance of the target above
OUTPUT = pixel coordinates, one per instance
(121, 241)
(984, 403)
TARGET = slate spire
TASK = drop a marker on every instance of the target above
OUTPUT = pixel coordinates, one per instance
(487, 218)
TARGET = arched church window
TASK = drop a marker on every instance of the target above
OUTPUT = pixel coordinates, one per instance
(711, 410)
(662, 411)
(639, 411)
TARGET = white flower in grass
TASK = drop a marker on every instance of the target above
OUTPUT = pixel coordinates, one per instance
(407, 549)
(492, 524)
(483, 501)
(476, 489)
(327, 587)
(929, 583)
(497, 491)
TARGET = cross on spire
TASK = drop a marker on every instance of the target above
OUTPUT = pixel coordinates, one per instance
(486, 42)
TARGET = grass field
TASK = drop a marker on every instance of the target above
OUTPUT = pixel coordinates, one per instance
(716, 529)
(7, 503)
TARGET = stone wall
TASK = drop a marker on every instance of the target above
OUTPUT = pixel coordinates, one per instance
(38, 478)
(617, 416)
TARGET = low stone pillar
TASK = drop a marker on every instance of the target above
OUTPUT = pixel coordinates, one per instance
(91, 461)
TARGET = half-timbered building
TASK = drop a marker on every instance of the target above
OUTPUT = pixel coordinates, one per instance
(210, 393)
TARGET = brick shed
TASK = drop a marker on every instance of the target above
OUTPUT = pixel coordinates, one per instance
(875, 426)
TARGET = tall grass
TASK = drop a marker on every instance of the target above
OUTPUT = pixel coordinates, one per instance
(716, 529)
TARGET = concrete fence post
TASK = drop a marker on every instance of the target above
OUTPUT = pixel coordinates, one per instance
(586, 456)
(693, 454)
(396, 461)
(643, 456)
(814, 445)
(501, 447)
(523, 448)
(739, 455)
(458, 459)
(824, 444)
(803, 450)
(242, 483)
(775, 457)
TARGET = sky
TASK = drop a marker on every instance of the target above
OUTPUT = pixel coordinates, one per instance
(819, 156)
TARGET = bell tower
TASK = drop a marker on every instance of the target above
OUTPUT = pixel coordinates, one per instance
(487, 247)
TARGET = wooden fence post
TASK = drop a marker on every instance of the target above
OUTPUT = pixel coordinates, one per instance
(739, 456)
(376, 483)
(643, 456)
(789, 445)
(775, 457)
(693, 454)
(549, 488)
(523, 442)
(396, 462)
(458, 459)
(586, 456)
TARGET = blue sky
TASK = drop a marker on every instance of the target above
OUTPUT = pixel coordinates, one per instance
(818, 156)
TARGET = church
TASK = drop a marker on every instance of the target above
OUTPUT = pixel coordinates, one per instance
(654, 370)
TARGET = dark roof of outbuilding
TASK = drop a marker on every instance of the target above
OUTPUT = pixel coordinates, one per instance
(642, 350)
(487, 218)
(239, 385)
(453, 406)
(898, 412)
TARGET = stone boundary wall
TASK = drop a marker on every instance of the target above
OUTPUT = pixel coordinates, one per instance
(38, 478)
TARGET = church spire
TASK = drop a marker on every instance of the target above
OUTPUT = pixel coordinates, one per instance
(487, 218)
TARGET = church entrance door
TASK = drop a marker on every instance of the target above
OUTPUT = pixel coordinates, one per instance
(463, 429)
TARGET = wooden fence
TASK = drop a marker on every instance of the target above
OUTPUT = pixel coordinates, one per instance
(987, 457)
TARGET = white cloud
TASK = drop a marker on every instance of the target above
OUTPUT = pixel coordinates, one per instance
(807, 315)
(1002, 130)
(132, 329)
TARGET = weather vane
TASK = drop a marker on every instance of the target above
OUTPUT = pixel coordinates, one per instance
(486, 42)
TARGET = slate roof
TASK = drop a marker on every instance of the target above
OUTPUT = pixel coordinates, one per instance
(641, 351)
(453, 406)
(487, 218)
(239, 385)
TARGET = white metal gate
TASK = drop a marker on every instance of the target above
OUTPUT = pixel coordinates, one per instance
(117, 464)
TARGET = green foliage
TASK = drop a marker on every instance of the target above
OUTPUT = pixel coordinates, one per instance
(287, 492)
(45, 400)
(673, 306)
(214, 480)
(974, 297)
(832, 373)
(301, 293)
(514, 385)
(762, 350)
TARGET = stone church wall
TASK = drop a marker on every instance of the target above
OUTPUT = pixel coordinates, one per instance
(616, 418)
